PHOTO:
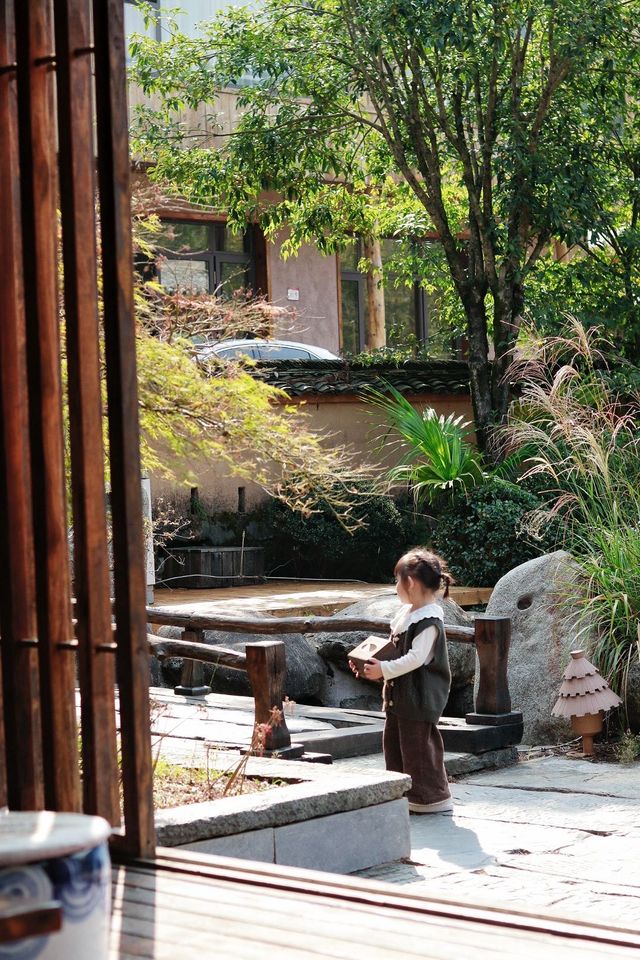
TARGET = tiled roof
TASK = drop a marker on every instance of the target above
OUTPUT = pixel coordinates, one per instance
(318, 377)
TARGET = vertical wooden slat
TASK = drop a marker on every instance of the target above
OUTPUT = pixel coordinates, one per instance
(117, 263)
(4, 782)
(36, 105)
(17, 622)
(74, 65)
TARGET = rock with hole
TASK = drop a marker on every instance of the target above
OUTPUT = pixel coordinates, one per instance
(541, 597)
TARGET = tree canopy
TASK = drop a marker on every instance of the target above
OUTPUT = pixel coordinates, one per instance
(482, 122)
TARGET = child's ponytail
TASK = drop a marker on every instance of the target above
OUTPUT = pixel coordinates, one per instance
(425, 566)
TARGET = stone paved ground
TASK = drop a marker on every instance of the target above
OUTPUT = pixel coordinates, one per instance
(552, 835)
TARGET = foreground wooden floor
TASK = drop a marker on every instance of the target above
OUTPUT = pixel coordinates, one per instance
(184, 908)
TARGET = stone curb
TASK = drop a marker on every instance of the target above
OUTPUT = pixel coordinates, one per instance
(319, 796)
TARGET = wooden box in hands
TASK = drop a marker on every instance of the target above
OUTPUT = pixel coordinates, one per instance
(378, 648)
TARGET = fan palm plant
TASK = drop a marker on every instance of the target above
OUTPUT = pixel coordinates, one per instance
(438, 456)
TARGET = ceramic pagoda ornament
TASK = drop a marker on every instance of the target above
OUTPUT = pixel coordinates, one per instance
(584, 698)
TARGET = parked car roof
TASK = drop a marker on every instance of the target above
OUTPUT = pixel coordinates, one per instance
(266, 350)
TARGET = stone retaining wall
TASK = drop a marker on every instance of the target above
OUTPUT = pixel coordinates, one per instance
(328, 821)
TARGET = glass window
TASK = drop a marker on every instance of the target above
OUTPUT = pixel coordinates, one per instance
(239, 350)
(354, 311)
(401, 300)
(399, 313)
(350, 257)
(441, 342)
(353, 315)
(204, 257)
(267, 351)
(411, 314)
(229, 241)
(233, 275)
(185, 238)
(189, 276)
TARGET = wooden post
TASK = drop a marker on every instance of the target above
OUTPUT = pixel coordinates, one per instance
(493, 701)
(192, 679)
(376, 335)
(96, 662)
(266, 667)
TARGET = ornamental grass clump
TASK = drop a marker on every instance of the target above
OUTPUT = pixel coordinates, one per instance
(585, 444)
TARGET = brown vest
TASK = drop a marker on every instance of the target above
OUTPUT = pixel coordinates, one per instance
(423, 693)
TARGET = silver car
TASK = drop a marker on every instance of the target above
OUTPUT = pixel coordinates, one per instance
(265, 350)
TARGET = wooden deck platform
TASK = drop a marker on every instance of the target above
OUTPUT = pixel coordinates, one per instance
(190, 908)
(289, 597)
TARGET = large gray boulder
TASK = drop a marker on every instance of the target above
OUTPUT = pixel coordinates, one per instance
(632, 698)
(305, 668)
(539, 597)
(342, 689)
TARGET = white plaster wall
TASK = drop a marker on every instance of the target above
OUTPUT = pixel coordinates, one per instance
(316, 279)
(349, 422)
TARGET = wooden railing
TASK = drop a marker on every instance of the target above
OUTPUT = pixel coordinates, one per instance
(265, 661)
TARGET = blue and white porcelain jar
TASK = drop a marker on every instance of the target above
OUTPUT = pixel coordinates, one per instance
(58, 856)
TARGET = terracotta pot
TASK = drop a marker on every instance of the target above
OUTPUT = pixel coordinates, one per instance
(590, 723)
(587, 726)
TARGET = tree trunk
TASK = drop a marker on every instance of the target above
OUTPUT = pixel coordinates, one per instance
(376, 334)
(479, 369)
(506, 325)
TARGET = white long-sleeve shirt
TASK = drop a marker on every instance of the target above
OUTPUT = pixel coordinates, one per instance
(421, 651)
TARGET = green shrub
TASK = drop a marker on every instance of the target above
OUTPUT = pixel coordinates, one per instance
(481, 535)
(628, 748)
(319, 545)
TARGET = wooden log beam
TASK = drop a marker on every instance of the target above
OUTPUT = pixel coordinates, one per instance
(279, 625)
(21, 782)
(96, 672)
(163, 647)
(35, 54)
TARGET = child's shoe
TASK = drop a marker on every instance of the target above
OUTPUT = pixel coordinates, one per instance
(442, 806)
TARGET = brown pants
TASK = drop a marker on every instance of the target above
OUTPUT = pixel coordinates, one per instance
(416, 748)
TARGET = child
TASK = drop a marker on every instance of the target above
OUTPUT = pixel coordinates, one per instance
(417, 682)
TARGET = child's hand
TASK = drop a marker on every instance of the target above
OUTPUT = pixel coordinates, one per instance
(372, 670)
(353, 668)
